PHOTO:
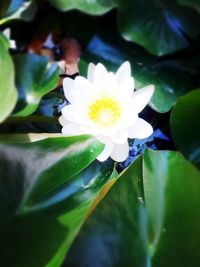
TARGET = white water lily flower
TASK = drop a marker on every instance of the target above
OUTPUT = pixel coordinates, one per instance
(106, 106)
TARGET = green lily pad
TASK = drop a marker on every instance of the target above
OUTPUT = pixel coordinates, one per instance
(160, 27)
(164, 29)
(34, 79)
(8, 92)
(43, 166)
(185, 126)
(171, 190)
(50, 224)
(129, 229)
(114, 233)
(96, 7)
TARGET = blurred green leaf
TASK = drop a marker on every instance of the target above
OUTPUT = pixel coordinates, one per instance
(96, 7)
(123, 231)
(161, 27)
(8, 92)
(166, 28)
(185, 125)
(17, 9)
(50, 230)
(193, 3)
(34, 79)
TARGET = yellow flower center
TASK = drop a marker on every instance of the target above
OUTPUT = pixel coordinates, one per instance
(104, 111)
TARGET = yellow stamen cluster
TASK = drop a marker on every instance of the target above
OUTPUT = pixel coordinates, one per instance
(104, 111)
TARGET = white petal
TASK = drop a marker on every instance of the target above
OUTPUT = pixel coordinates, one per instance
(123, 72)
(106, 152)
(82, 83)
(99, 72)
(82, 90)
(70, 113)
(62, 120)
(76, 90)
(141, 129)
(110, 83)
(120, 137)
(126, 88)
(72, 129)
(120, 152)
(130, 118)
(90, 74)
(141, 97)
(68, 85)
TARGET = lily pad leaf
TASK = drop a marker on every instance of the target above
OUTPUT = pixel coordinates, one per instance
(8, 92)
(44, 165)
(96, 7)
(163, 29)
(166, 28)
(34, 79)
(185, 126)
(114, 234)
(171, 192)
(58, 216)
(138, 221)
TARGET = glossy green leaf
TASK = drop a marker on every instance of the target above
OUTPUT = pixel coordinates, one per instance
(33, 170)
(96, 7)
(171, 190)
(161, 27)
(185, 125)
(50, 231)
(17, 9)
(95, 177)
(114, 234)
(193, 3)
(122, 231)
(8, 92)
(34, 79)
